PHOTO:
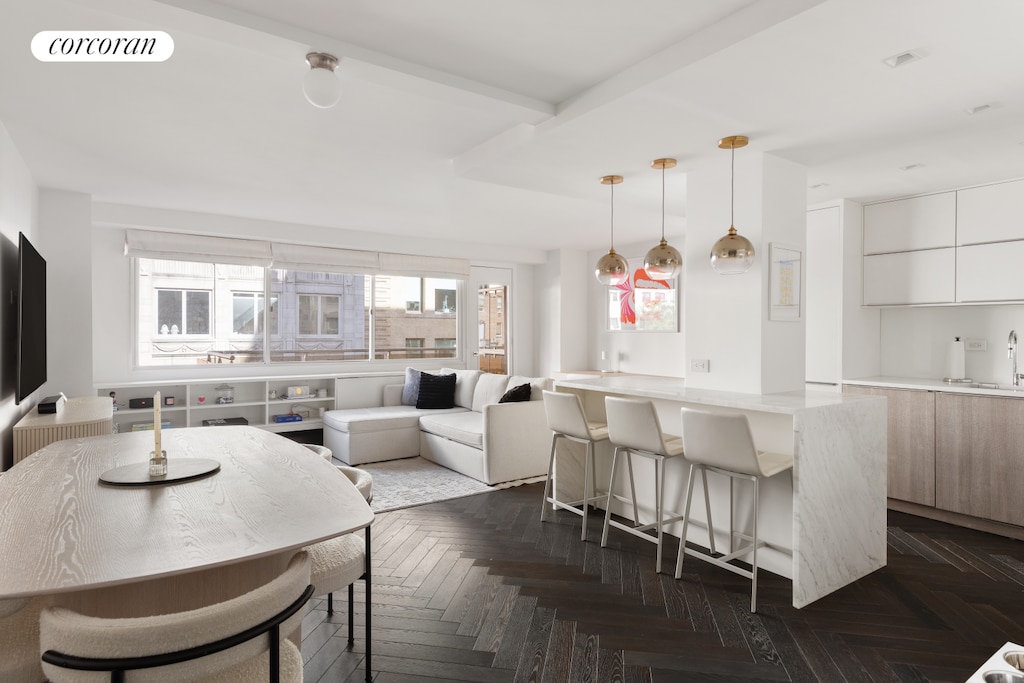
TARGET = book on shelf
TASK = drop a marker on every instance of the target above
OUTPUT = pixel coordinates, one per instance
(289, 417)
(148, 426)
(224, 421)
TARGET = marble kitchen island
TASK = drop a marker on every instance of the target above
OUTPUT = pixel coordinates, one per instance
(827, 518)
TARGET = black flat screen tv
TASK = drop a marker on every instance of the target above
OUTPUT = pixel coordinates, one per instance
(31, 327)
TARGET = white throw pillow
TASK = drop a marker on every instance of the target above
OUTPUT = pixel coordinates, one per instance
(465, 385)
(489, 389)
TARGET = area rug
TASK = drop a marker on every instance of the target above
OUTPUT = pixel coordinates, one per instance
(416, 481)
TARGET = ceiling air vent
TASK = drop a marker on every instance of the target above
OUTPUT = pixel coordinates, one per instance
(901, 59)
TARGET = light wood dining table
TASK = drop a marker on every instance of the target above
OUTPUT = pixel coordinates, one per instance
(131, 551)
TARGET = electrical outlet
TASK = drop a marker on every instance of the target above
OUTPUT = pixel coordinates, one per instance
(700, 365)
(975, 345)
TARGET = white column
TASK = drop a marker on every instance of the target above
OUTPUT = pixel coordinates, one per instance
(726, 316)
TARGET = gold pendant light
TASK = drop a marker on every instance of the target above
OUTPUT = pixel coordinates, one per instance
(612, 269)
(663, 261)
(732, 254)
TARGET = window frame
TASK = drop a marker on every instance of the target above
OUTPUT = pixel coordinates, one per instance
(271, 325)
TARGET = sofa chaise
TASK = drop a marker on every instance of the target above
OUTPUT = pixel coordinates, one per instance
(478, 436)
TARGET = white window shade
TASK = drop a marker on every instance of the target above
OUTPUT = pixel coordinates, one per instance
(200, 248)
(424, 266)
(205, 249)
(324, 259)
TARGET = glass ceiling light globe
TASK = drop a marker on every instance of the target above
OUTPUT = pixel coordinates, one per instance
(663, 261)
(612, 269)
(733, 254)
(320, 85)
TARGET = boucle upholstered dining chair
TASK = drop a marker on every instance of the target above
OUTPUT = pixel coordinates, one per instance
(19, 640)
(242, 639)
(340, 562)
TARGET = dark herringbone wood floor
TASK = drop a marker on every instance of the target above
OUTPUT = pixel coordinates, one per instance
(477, 589)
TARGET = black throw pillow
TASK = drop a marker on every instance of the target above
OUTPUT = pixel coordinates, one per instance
(516, 394)
(436, 391)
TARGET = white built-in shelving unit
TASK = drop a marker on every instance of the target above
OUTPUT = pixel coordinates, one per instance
(197, 400)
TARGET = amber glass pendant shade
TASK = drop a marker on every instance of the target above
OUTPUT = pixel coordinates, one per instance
(733, 254)
(612, 268)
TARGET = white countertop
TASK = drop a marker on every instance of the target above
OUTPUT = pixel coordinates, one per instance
(936, 385)
(674, 389)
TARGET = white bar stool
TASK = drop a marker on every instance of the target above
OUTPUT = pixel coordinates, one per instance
(633, 427)
(566, 420)
(724, 444)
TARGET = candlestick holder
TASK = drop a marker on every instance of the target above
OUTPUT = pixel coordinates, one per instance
(158, 464)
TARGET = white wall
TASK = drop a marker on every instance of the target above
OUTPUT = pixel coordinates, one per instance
(561, 312)
(915, 341)
(65, 228)
(18, 213)
(824, 288)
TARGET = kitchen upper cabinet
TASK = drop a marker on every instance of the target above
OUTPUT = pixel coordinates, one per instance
(979, 448)
(990, 272)
(993, 213)
(910, 277)
(911, 442)
(910, 224)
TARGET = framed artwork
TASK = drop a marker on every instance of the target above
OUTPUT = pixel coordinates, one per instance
(784, 283)
(643, 303)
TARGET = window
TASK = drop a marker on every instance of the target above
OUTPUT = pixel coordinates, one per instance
(247, 313)
(393, 326)
(318, 316)
(444, 300)
(183, 312)
(191, 313)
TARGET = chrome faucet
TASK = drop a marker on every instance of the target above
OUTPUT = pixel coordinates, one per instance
(1011, 353)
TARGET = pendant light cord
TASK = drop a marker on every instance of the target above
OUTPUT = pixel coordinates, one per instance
(611, 226)
(732, 189)
(663, 202)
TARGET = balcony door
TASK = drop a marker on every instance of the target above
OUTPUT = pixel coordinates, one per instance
(489, 341)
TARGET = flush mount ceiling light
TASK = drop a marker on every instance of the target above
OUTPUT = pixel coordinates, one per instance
(320, 85)
(732, 254)
(663, 261)
(612, 269)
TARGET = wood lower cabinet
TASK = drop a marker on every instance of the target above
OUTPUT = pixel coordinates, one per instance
(911, 442)
(979, 456)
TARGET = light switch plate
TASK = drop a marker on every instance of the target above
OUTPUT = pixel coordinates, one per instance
(975, 345)
(700, 365)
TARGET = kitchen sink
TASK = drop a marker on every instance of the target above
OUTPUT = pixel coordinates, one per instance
(1015, 659)
(1003, 677)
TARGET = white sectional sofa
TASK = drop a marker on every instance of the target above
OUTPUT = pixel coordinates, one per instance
(489, 441)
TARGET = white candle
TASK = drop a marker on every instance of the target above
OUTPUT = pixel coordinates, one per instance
(157, 450)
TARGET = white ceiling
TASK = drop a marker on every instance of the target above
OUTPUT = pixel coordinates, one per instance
(491, 122)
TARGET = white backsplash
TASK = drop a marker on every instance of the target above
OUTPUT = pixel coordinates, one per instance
(915, 341)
